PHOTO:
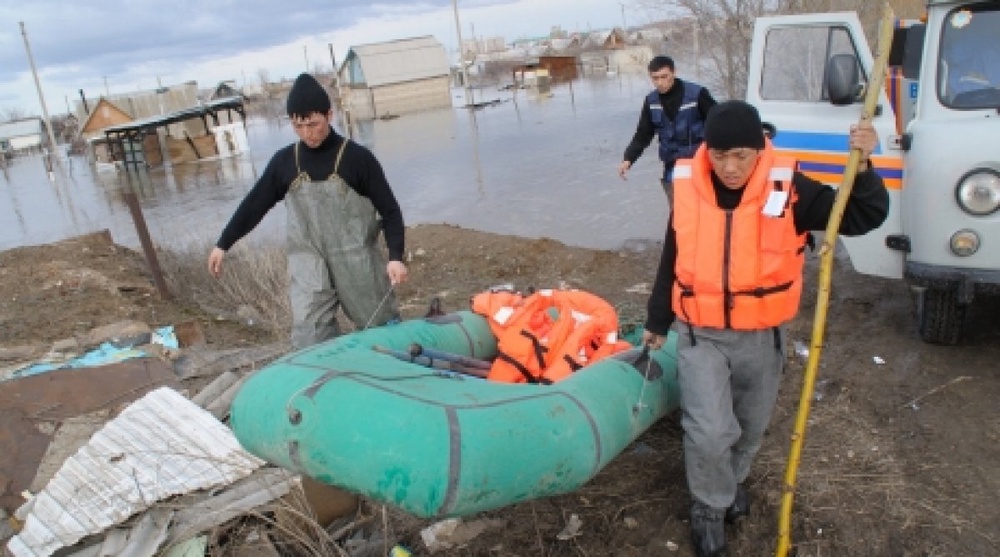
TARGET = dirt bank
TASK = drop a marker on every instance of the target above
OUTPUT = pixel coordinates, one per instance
(901, 448)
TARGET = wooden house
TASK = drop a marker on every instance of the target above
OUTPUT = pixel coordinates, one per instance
(560, 68)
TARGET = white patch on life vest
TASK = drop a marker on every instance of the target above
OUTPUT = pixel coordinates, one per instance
(780, 174)
(688, 105)
(503, 314)
(580, 317)
(612, 337)
(682, 171)
(775, 203)
(547, 292)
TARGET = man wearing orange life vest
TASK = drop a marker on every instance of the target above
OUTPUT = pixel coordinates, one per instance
(731, 275)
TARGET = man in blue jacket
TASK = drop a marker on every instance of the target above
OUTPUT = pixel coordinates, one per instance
(675, 111)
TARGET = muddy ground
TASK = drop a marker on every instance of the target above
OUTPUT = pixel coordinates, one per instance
(902, 444)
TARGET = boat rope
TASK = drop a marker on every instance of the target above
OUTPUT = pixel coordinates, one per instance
(294, 415)
(380, 304)
(639, 404)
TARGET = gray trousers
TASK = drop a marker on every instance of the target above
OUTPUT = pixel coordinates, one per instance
(729, 384)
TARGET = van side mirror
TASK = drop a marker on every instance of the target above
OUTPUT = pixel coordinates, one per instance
(842, 79)
(913, 51)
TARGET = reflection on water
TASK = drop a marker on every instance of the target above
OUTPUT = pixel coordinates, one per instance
(531, 166)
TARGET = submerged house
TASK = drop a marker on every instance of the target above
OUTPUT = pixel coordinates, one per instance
(395, 77)
(149, 128)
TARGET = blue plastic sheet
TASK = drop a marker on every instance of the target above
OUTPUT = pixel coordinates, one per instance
(105, 354)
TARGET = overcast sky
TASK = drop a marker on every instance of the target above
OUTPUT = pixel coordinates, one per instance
(138, 44)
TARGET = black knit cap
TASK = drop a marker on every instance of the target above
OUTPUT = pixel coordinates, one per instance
(307, 96)
(733, 124)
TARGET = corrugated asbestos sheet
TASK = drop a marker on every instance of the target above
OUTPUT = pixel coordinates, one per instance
(159, 446)
(402, 60)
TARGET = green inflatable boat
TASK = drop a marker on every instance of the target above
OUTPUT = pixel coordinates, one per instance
(436, 443)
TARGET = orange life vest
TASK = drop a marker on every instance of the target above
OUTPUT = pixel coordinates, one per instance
(548, 335)
(739, 269)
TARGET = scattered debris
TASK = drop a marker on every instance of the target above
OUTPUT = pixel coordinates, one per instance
(641, 288)
(878, 361)
(53, 399)
(819, 389)
(914, 404)
(801, 349)
(160, 446)
(114, 343)
(452, 532)
(572, 529)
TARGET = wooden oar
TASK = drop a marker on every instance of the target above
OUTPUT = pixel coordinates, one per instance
(432, 363)
(417, 350)
(826, 269)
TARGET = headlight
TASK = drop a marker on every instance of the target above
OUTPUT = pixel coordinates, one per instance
(978, 192)
(964, 243)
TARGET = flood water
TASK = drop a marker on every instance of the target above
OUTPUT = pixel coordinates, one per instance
(533, 166)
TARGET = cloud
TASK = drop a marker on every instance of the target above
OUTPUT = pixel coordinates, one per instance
(132, 44)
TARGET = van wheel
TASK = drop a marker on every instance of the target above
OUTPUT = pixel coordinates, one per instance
(940, 316)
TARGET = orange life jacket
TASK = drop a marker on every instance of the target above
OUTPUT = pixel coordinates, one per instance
(739, 269)
(548, 335)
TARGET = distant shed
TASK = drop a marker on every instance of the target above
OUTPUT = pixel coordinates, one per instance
(21, 135)
(561, 68)
(395, 77)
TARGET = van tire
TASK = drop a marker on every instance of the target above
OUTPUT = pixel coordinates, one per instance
(940, 316)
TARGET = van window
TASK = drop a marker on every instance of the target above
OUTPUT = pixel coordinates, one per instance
(969, 65)
(795, 60)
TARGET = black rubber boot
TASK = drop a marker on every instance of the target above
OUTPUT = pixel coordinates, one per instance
(740, 506)
(708, 531)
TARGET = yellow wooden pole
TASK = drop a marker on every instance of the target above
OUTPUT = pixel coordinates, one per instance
(875, 82)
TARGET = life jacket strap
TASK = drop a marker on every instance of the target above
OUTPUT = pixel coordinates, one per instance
(761, 291)
(528, 377)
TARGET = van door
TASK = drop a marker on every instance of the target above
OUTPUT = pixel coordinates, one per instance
(787, 84)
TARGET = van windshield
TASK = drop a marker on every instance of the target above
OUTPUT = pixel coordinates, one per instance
(969, 68)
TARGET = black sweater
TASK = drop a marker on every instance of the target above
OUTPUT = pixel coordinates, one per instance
(358, 167)
(671, 102)
(866, 209)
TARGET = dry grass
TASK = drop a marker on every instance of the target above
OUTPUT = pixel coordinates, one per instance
(288, 527)
(253, 288)
(850, 475)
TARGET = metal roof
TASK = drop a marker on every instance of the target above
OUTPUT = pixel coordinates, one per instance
(401, 60)
(179, 116)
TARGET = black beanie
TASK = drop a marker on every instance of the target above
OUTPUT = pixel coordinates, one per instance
(733, 124)
(307, 96)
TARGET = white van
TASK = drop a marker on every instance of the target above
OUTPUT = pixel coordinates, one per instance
(939, 128)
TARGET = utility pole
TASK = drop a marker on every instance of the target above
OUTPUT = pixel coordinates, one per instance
(41, 97)
(305, 53)
(697, 52)
(344, 112)
(461, 56)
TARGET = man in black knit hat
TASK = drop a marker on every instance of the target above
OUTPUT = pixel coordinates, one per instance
(338, 202)
(730, 274)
